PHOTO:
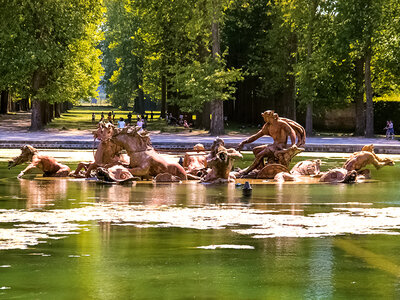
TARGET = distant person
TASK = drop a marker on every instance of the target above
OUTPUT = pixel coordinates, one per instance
(172, 120)
(93, 118)
(121, 123)
(170, 117)
(139, 122)
(389, 130)
(109, 118)
(180, 121)
(113, 116)
(185, 124)
(129, 121)
(102, 117)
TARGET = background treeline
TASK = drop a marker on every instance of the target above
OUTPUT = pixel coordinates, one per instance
(48, 54)
(299, 57)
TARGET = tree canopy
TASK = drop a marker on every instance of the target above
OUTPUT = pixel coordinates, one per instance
(305, 56)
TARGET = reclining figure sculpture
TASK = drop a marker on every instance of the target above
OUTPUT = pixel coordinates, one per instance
(45, 163)
(366, 156)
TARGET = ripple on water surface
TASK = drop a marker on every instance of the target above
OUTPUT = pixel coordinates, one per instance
(34, 226)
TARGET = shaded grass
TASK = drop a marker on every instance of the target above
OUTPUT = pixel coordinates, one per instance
(80, 117)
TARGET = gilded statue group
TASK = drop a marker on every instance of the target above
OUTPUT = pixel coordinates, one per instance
(124, 155)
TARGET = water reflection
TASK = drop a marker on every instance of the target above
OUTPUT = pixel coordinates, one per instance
(113, 193)
(282, 198)
(290, 196)
(43, 193)
(320, 270)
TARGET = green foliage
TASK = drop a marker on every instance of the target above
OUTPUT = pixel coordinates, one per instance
(121, 53)
(48, 48)
(386, 59)
(198, 83)
(146, 40)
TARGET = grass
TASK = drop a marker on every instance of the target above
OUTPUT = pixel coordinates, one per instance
(80, 117)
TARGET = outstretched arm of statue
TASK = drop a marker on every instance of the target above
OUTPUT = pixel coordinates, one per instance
(251, 139)
(27, 169)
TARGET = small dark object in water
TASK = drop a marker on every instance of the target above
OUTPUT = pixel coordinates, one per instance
(247, 189)
(180, 161)
(238, 185)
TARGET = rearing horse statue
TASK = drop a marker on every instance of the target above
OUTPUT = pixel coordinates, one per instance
(144, 160)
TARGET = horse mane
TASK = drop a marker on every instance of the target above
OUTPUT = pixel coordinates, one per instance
(135, 131)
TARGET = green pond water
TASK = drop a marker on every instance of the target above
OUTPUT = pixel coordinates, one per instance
(74, 239)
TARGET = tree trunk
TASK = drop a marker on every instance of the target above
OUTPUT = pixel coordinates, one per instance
(217, 106)
(288, 99)
(25, 104)
(163, 96)
(139, 103)
(369, 112)
(217, 118)
(4, 102)
(359, 98)
(12, 107)
(64, 107)
(57, 112)
(18, 105)
(36, 117)
(309, 120)
(289, 94)
(204, 116)
(50, 112)
(310, 84)
(44, 112)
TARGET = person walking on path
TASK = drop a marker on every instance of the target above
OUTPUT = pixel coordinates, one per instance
(391, 129)
(129, 118)
(121, 123)
(93, 118)
(140, 123)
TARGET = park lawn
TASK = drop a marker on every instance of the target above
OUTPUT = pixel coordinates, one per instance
(80, 118)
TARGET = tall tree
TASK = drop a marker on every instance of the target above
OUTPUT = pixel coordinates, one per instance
(358, 25)
(51, 51)
(122, 54)
(181, 55)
